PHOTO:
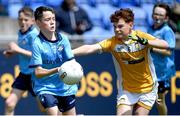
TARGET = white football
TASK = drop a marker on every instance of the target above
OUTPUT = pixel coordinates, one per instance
(71, 72)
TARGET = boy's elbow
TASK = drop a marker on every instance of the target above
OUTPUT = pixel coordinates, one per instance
(37, 74)
(168, 53)
(165, 44)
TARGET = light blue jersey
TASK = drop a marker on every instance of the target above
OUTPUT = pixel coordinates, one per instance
(51, 54)
(25, 41)
(164, 65)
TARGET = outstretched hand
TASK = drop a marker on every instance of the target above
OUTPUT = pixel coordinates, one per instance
(13, 48)
(138, 39)
(8, 53)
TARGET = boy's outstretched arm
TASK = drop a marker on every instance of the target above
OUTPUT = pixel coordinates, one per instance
(87, 49)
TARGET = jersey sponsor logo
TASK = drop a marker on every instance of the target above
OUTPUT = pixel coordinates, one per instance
(121, 48)
(60, 48)
(133, 47)
(130, 53)
(56, 61)
(23, 42)
(135, 61)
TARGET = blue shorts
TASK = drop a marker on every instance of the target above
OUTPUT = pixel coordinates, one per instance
(64, 103)
(164, 86)
(23, 82)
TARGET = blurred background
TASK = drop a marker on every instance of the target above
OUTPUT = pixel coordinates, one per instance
(98, 12)
(95, 101)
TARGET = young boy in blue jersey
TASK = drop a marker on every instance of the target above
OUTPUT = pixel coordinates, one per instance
(50, 51)
(26, 36)
(163, 58)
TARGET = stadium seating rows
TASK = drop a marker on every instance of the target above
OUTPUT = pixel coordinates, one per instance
(101, 10)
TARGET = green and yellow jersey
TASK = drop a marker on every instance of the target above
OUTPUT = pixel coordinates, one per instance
(136, 67)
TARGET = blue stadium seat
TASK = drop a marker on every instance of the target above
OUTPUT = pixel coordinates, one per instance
(129, 3)
(14, 1)
(96, 34)
(147, 7)
(54, 3)
(142, 28)
(92, 3)
(80, 2)
(94, 13)
(148, 1)
(126, 5)
(13, 9)
(4, 7)
(4, 2)
(102, 1)
(36, 3)
(115, 3)
(107, 10)
(27, 2)
(171, 3)
(140, 18)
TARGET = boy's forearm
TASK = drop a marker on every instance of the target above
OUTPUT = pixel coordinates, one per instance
(24, 52)
(87, 49)
(158, 44)
(82, 50)
(165, 52)
(41, 72)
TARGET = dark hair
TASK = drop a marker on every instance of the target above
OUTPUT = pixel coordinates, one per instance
(27, 11)
(65, 6)
(165, 6)
(126, 14)
(38, 14)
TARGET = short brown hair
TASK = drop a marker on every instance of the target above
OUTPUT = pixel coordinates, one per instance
(27, 11)
(126, 14)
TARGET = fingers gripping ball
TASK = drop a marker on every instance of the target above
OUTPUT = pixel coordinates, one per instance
(71, 72)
